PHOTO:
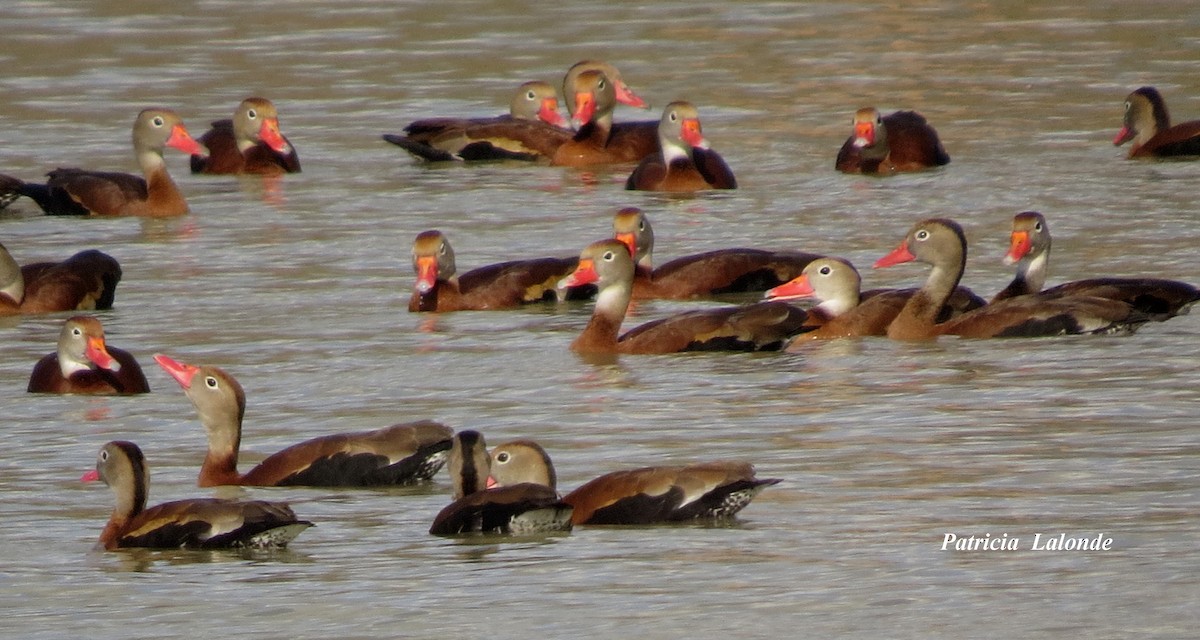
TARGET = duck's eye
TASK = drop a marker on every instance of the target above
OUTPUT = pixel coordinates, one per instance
(921, 235)
(1128, 104)
(210, 382)
(252, 114)
(674, 116)
(601, 84)
(531, 96)
(502, 457)
(158, 121)
(878, 120)
(76, 331)
(103, 456)
(1037, 227)
(442, 249)
(608, 256)
(825, 271)
(642, 225)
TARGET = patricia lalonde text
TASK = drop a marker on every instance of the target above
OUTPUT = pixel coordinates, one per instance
(1041, 542)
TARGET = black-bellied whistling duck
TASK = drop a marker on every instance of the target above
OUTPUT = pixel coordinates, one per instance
(843, 311)
(198, 523)
(623, 93)
(705, 491)
(445, 139)
(684, 162)
(1029, 248)
(763, 326)
(840, 312)
(1148, 125)
(594, 142)
(249, 143)
(884, 145)
(86, 281)
(399, 454)
(735, 270)
(81, 192)
(85, 364)
(941, 243)
(518, 508)
(639, 135)
(503, 285)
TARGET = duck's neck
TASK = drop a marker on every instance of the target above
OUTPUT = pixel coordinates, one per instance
(1033, 271)
(12, 283)
(674, 152)
(838, 305)
(602, 330)
(224, 440)
(444, 296)
(131, 500)
(162, 193)
(1030, 277)
(69, 365)
(598, 129)
(918, 319)
(879, 149)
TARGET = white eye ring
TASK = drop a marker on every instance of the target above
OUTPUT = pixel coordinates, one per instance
(608, 256)
(103, 456)
(921, 235)
(252, 114)
(442, 249)
(76, 332)
(1037, 227)
(158, 121)
(211, 382)
(825, 270)
(502, 458)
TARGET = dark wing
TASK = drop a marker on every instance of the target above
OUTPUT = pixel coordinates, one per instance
(98, 192)
(712, 166)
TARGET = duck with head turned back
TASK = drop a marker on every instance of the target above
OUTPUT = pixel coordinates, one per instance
(1148, 125)
(641, 136)
(1158, 298)
(248, 143)
(684, 162)
(649, 495)
(459, 139)
(885, 145)
(81, 192)
(843, 311)
(623, 93)
(85, 281)
(594, 142)
(85, 364)
(941, 244)
(764, 326)
(396, 455)
(504, 285)
(199, 523)
(734, 270)
(518, 508)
